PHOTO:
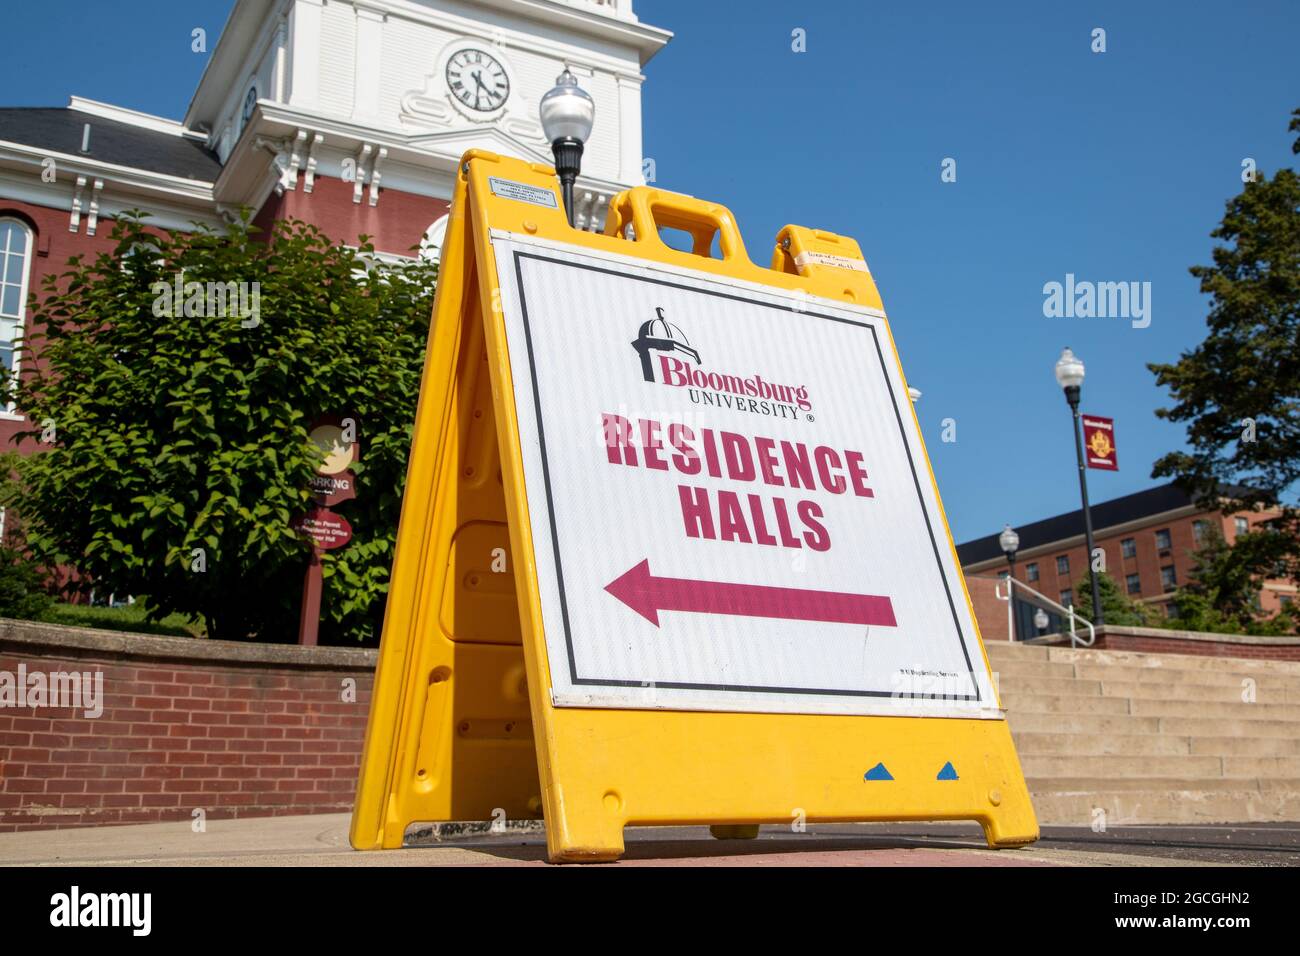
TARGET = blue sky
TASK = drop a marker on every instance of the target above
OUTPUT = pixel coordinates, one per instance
(1112, 166)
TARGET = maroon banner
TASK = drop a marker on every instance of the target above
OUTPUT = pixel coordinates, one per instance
(1099, 442)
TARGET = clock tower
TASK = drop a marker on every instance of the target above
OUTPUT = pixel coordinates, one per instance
(352, 114)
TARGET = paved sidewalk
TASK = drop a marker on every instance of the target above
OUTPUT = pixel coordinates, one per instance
(321, 840)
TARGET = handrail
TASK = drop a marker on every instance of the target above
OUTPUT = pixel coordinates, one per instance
(1065, 611)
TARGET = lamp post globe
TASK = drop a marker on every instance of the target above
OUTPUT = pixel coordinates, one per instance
(1009, 541)
(1069, 375)
(1069, 368)
(1040, 620)
(567, 113)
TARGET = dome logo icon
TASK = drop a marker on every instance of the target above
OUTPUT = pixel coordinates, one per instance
(660, 335)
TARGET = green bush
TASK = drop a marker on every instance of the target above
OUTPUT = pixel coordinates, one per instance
(124, 617)
(174, 433)
(22, 586)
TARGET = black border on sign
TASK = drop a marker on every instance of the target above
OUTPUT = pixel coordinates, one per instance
(555, 534)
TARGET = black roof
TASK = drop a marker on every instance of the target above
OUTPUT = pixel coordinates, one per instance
(1105, 514)
(60, 130)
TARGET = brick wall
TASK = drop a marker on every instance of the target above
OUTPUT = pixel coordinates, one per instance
(1152, 640)
(395, 225)
(231, 729)
(1146, 563)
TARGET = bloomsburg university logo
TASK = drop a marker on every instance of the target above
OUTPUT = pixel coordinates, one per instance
(668, 359)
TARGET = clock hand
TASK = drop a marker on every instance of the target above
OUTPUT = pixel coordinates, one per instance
(478, 79)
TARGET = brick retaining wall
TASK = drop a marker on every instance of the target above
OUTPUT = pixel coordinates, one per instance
(227, 728)
(1154, 640)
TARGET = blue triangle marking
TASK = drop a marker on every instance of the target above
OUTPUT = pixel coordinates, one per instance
(947, 773)
(878, 772)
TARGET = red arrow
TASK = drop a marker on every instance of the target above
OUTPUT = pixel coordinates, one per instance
(648, 595)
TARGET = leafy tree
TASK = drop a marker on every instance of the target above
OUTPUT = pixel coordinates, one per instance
(1223, 594)
(1116, 606)
(1239, 390)
(174, 428)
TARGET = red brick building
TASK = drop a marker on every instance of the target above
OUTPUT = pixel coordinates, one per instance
(1149, 539)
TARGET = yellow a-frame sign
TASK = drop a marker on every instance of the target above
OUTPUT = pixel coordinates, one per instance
(671, 551)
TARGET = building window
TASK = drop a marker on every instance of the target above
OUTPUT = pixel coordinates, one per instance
(1129, 547)
(1199, 529)
(434, 237)
(1031, 571)
(1063, 564)
(1162, 540)
(15, 255)
(1134, 583)
(1067, 597)
(1241, 524)
(1168, 580)
(1285, 600)
(1171, 609)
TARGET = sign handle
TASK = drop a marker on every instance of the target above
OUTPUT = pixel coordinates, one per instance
(648, 210)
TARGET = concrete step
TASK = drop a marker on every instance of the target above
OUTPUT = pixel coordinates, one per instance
(1162, 805)
(1144, 707)
(1218, 693)
(1161, 675)
(1245, 746)
(1016, 702)
(1050, 686)
(1209, 785)
(1013, 667)
(1269, 749)
(1058, 723)
(1129, 738)
(1004, 650)
(1087, 745)
(1220, 726)
(1111, 767)
(1263, 768)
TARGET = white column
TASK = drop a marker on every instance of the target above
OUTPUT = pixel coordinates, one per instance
(281, 61)
(629, 129)
(304, 59)
(370, 35)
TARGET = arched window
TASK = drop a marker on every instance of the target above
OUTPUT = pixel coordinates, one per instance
(15, 262)
(431, 244)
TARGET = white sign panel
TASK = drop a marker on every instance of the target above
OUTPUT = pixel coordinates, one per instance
(730, 505)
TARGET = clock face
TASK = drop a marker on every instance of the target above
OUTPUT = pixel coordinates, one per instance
(477, 80)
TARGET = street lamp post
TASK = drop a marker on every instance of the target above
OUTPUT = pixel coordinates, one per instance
(567, 113)
(1009, 542)
(1069, 375)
